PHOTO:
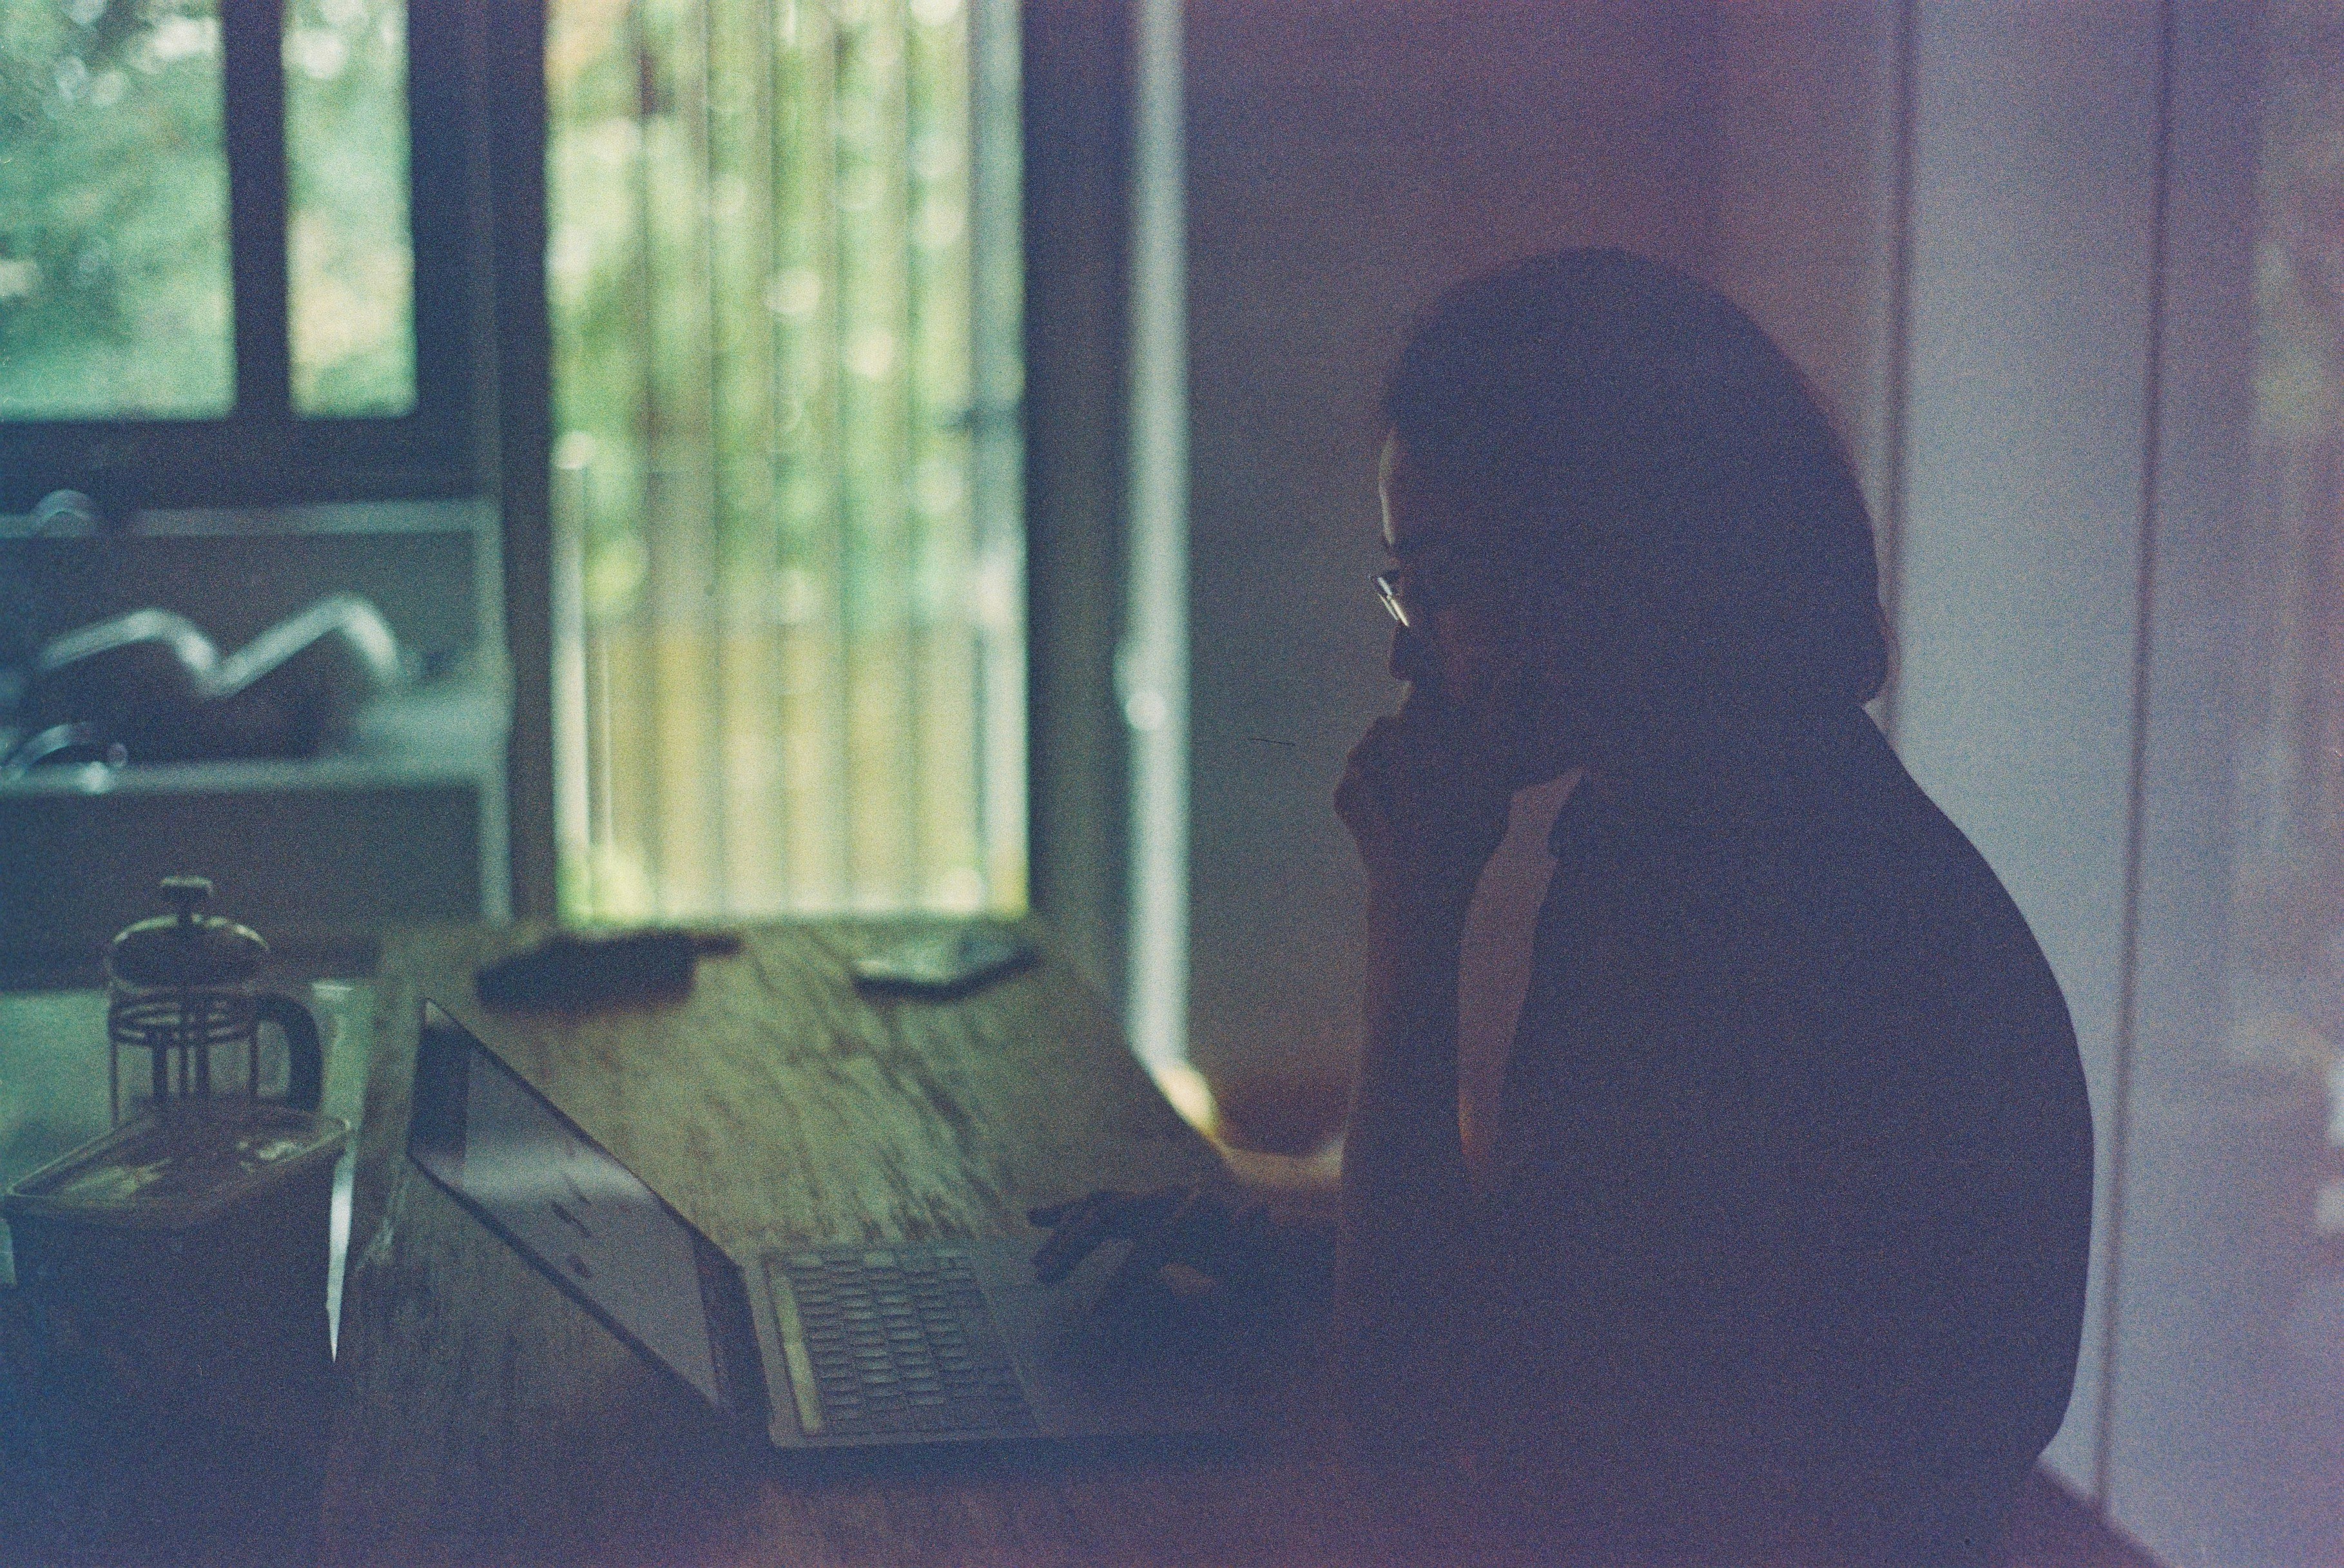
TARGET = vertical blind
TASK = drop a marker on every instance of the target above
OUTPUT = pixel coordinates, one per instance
(789, 599)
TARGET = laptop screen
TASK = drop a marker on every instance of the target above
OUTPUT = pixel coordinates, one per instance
(587, 1222)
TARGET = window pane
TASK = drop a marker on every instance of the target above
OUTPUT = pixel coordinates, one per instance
(114, 254)
(789, 642)
(351, 264)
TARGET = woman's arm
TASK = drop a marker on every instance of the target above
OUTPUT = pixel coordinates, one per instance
(1404, 1245)
(1405, 1312)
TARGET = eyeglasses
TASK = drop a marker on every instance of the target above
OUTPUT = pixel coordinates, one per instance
(1415, 588)
(1388, 591)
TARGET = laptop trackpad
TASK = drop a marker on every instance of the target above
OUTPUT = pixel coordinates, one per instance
(1082, 1380)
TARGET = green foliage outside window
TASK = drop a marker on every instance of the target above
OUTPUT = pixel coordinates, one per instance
(791, 624)
(115, 289)
(349, 261)
(113, 244)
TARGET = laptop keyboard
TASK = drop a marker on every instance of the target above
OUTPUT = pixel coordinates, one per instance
(893, 1341)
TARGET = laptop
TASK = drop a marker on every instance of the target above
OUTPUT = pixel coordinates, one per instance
(820, 1343)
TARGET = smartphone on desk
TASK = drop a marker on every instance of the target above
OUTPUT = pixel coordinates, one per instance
(944, 963)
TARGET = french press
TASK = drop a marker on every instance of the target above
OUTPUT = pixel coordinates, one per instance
(180, 987)
(178, 1264)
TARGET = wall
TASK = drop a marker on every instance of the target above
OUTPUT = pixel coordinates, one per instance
(2032, 200)
(1805, 237)
(1346, 161)
(1073, 69)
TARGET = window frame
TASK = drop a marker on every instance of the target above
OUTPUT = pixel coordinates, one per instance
(261, 453)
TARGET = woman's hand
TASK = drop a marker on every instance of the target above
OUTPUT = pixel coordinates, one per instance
(1424, 810)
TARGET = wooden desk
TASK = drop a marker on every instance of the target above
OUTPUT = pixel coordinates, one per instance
(488, 1418)
(485, 1419)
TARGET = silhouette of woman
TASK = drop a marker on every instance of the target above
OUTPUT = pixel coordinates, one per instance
(1779, 1252)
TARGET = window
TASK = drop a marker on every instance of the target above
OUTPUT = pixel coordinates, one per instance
(210, 263)
(115, 291)
(348, 262)
(783, 263)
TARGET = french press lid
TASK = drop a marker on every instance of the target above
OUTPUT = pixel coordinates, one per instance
(185, 948)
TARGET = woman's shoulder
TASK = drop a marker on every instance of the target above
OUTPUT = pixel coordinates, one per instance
(1932, 892)
(1822, 869)
(1926, 969)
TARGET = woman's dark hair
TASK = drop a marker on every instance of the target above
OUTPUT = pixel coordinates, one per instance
(1671, 488)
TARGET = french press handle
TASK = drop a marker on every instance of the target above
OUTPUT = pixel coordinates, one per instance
(305, 1060)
